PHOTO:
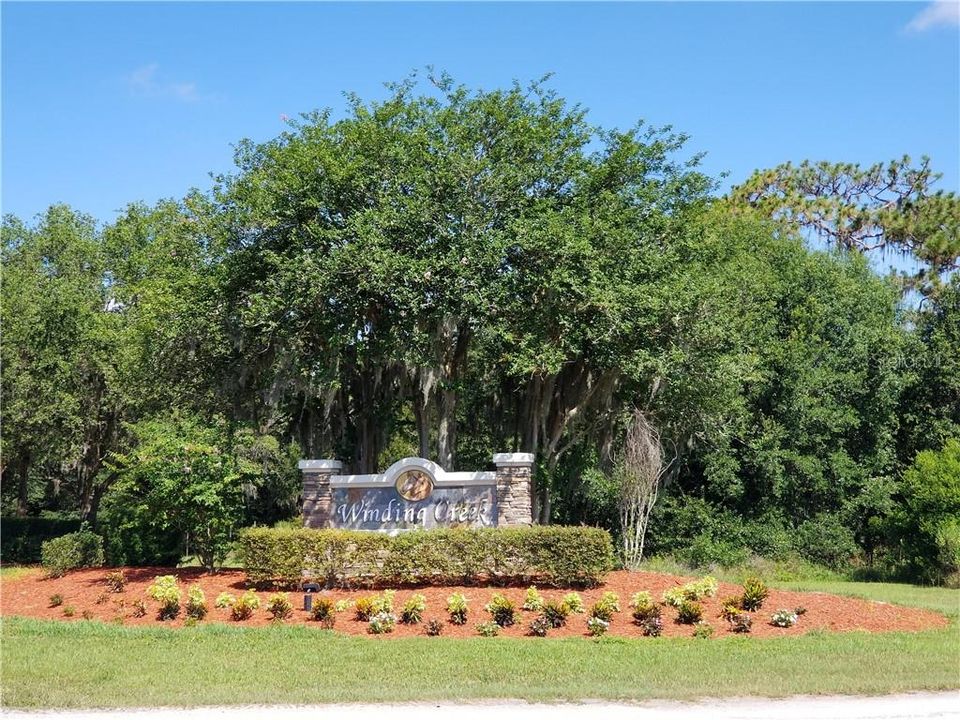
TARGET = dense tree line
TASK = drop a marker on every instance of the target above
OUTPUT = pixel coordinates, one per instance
(453, 273)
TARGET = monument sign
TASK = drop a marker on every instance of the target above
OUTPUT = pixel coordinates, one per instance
(417, 493)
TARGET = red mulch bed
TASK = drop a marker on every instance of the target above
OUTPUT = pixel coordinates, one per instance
(29, 596)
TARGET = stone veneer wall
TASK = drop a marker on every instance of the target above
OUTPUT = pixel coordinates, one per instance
(514, 491)
(513, 481)
(317, 498)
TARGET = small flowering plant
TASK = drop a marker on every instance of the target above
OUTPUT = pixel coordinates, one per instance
(502, 610)
(556, 613)
(784, 618)
(457, 607)
(574, 603)
(643, 607)
(196, 603)
(606, 606)
(488, 629)
(413, 609)
(741, 623)
(702, 630)
(279, 607)
(540, 626)
(243, 607)
(165, 591)
(597, 627)
(652, 626)
(382, 622)
(533, 600)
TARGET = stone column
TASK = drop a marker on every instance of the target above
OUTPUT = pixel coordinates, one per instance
(514, 502)
(317, 497)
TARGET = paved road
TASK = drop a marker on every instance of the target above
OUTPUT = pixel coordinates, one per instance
(912, 706)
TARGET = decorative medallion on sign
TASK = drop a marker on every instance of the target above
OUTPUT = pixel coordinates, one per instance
(414, 485)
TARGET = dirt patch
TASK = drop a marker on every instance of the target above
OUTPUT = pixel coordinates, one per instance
(86, 590)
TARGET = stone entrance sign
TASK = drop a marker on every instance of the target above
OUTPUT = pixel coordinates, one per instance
(417, 493)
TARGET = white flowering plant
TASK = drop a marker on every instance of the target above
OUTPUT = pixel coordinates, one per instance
(382, 622)
(784, 618)
(597, 626)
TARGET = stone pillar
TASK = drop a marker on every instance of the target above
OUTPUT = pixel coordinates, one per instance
(317, 498)
(514, 501)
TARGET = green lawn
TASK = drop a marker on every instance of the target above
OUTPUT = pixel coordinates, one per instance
(90, 664)
(943, 600)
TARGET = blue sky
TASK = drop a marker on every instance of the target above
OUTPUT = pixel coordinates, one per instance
(105, 104)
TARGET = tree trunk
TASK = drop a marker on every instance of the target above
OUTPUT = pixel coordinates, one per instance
(423, 427)
(447, 431)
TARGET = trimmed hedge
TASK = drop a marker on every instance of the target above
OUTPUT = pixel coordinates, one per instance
(71, 551)
(551, 555)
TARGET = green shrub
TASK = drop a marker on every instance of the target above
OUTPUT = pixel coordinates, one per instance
(540, 626)
(606, 606)
(755, 592)
(366, 607)
(457, 607)
(784, 618)
(645, 611)
(363, 608)
(279, 607)
(68, 611)
(196, 603)
(643, 607)
(225, 600)
(56, 600)
(768, 538)
(689, 612)
(413, 609)
(692, 591)
(183, 474)
(322, 609)
(597, 626)
(574, 603)
(244, 606)
(740, 623)
(556, 613)
(553, 555)
(533, 600)
(131, 537)
(729, 607)
(929, 524)
(383, 603)
(433, 628)
(382, 622)
(706, 551)
(702, 630)
(502, 610)
(139, 608)
(116, 581)
(68, 552)
(653, 626)
(166, 592)
(826, 540)
(488, 629)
